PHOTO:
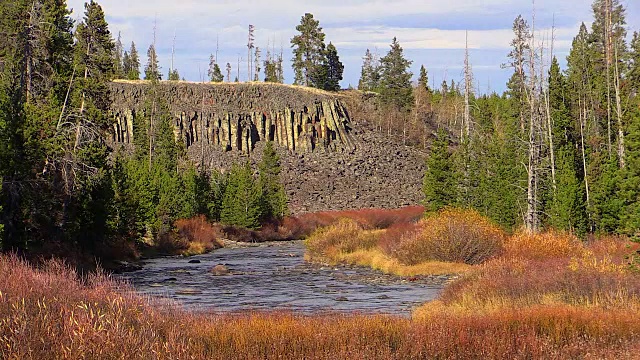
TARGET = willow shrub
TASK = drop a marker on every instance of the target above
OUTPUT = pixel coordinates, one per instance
(451, 235)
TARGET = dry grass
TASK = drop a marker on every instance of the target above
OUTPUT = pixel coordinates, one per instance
(50, 314)
(593, 276)
(378, 260)
(236, 84)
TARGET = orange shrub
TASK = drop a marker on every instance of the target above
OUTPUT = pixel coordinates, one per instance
(452, 235)
(198, 235)
(389, 241)
(549, 244)
(343, 237)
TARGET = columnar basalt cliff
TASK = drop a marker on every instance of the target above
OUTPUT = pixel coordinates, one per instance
(237, 116)
(330, 160)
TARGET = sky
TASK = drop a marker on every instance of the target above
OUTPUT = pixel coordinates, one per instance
(431, 32)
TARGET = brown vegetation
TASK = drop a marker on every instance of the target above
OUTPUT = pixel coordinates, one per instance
(192, 237)
(49, 313)
(302, 226)
(443, 243)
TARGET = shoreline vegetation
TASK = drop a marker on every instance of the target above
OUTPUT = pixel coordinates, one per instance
(547, 295)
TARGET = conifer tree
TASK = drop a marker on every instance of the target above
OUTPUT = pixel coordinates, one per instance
(256, 66)
(396, 92)
(174, 75)
(423, 80)
(438, 185)
(152, 70)
(309, 51)
(88, 205)
(567, 207)
(630, 188)
(134, 63)
(331, 73)
(217, 186)
(274, 198)
(214, 70)
(370, 73)
(242, 198)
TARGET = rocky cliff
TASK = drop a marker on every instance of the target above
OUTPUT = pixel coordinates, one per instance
(330, 160)
(237, 116)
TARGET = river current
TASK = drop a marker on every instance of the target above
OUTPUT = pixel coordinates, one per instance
(275, 276)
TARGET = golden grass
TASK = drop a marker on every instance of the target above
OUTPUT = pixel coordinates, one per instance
(378, 260)
(236, 84)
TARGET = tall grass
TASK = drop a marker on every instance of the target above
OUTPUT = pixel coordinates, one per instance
(49, 314)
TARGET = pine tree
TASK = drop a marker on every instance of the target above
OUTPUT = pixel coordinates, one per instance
(215, 75)
(308, 50)
(274, 198)
(370, 73)
(174, 75)
(152, 70)
(89, 203)
(630, 188)
(332, 69)
(242, 199)
(134, 63)
(567, 207)
(438, 185)
(423, 80)
(217, 186)
(396, 92)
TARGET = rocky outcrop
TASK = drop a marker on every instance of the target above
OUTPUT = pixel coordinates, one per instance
(331, 158)
(234, 117)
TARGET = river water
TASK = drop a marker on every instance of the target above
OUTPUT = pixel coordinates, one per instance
(275, 276)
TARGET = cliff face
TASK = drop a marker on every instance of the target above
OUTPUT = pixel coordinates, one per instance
(330, 161)
(234, 117)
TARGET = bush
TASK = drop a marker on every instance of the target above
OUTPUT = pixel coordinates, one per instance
(343, 237)
(452, 235)
(194, 236)
(550, 244)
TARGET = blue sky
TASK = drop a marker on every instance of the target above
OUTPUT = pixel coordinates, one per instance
(432, 32)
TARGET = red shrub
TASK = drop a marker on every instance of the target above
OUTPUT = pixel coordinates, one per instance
(390, 240)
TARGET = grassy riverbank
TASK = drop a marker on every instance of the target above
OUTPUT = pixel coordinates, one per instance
(47, 313)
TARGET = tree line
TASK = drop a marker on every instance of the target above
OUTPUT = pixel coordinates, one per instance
(559, 149)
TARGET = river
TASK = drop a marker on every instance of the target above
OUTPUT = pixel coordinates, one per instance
(275, 276)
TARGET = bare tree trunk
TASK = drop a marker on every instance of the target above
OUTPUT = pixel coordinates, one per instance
(79, 122)
(607, 53)
(583, 117)
(467, 87)
(621, 150)
(531, 222)
(153, 110)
